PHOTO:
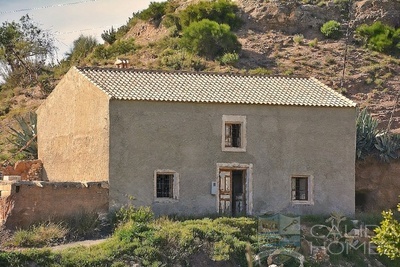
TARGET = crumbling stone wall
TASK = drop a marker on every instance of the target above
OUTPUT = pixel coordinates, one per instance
(377, 184)
(27, 202)
(29, 170)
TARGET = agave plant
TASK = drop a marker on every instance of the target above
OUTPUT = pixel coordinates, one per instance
(25, 139)
(367, 130)
(387, 146)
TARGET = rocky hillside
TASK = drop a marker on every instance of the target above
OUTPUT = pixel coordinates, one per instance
(284, 38)
(278, 37)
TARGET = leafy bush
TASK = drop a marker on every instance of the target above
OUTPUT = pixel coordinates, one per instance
(154, 12)
(380, 37)
(131, 213)
(387, 236)
(178, 60)
(331, 29)
(109, 36)
(220, 11)
(119, 47)
(210, 39)
(82, 47)
(229, 59)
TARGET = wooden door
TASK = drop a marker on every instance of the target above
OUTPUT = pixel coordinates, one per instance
(225, 192)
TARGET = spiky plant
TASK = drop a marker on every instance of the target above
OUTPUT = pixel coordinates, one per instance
(367, 130)
(25, 139)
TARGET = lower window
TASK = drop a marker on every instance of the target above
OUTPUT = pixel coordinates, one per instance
(301, 189)
(166, 184)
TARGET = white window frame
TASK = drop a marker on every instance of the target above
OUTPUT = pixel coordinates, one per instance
(175, 186)
(310, 188)
(234, 119)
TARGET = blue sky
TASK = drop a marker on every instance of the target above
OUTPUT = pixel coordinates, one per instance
(67, 19)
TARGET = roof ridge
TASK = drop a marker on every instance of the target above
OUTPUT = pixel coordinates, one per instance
(188, 72)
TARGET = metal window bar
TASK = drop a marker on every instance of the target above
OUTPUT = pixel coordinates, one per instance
(165, 185)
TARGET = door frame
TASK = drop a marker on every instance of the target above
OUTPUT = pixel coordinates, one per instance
(248, 168)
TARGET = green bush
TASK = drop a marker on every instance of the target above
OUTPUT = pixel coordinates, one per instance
(331, 29)
(210, 39)
(118, 48)
(154, 12)
(220, 11)
(131, 213)
(121, 47)
(387, 236)
(380, 37)
(229, 59)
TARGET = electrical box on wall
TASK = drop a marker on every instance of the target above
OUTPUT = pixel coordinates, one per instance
(213, 188)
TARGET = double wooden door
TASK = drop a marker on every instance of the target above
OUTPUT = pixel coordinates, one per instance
(232, 193)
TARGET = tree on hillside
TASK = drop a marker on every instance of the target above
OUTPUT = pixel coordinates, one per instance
(81, 48)
(210, 39)
(24, 50)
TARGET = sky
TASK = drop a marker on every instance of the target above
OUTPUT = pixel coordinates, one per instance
(68, 19)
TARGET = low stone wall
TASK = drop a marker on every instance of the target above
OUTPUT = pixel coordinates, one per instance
(377, 184)
(23, 203)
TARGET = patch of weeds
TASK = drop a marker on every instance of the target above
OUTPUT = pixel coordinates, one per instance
(369, 80)
(298, 38)
(40, 235)
(342, 90)
(229, 59)
(260, 71)
(84, 226)
(288, 72)
(379, 82)
(313, 43)
(330, 60)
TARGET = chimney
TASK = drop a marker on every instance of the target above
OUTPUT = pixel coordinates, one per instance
(121, 63)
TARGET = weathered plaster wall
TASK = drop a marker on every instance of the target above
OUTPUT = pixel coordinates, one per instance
(73, 131)
(30, 202)
(281, 141)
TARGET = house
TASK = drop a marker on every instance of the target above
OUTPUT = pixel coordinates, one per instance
(202, 143)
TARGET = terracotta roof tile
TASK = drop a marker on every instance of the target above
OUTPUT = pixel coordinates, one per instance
(202, 87)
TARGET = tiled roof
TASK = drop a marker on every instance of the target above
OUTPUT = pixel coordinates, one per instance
(202, 87)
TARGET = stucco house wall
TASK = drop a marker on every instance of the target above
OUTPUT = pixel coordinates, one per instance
(73, 131)
(282, 141)
(127, 126)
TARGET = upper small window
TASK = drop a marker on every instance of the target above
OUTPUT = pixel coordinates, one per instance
(234, 133)
(301, 189)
